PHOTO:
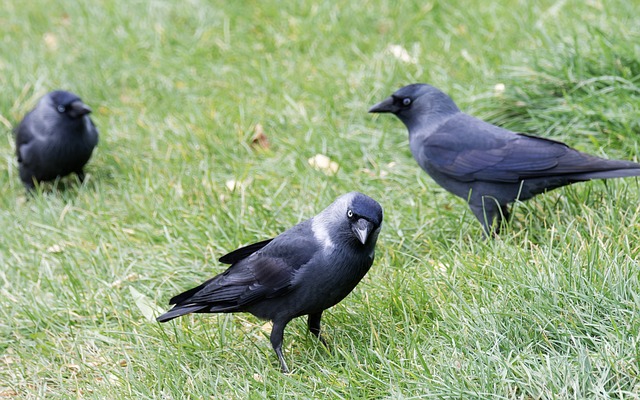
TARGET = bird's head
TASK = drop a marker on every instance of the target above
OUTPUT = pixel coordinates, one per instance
(68, 104)
(353, 218)
(414, 102)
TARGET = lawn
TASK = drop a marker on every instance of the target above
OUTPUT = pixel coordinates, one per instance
(550, 310)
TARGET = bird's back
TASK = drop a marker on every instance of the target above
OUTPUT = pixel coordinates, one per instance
(466, 153)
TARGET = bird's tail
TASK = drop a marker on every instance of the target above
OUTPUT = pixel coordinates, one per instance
(613, 173)
(179, 311)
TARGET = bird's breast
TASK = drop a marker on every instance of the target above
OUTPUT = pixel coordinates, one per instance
(338, 278)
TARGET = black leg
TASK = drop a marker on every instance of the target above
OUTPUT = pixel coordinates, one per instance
(314, 327)
(29, 186)
(491, 215)
(485, 212)
(80, 174)
(277, 332)
(504, 208)
(503, 217)
(28, 180)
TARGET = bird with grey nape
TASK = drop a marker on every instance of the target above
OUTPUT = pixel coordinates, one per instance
(486, 165)
(303, 271)
(55, 139)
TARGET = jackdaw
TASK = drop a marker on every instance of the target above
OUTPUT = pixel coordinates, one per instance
(486, 165)
(55, 139)
(302, 271)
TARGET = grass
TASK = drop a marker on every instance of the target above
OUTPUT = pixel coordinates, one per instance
(550, 310)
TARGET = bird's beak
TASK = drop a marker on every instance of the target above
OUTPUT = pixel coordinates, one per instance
(385, 106)
(78, 109)
(362, 228)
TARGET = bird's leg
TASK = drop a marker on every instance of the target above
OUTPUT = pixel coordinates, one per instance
(486, 212)
(491, 215)
(277, 332)
(80, 174)
(29, 186)
(503, 217)
(314, 327)
(506, 215)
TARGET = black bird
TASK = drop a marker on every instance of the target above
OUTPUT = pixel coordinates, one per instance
(55, 139)
(486, 165)
(302, 271)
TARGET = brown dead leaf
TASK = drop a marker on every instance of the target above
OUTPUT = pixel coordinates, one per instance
(8, 393)
(66, 19)
(259, 139)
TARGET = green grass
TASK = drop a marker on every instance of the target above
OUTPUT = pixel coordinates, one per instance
(550, 310)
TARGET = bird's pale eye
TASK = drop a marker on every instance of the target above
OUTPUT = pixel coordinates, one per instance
(406, 101)
(61, 109)
(349, 214)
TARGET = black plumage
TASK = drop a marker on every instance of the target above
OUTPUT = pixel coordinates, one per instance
(303, 271)
(55, 139)
(486, 165)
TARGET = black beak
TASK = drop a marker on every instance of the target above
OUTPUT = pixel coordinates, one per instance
(385, 106)
(77, 109)
(362, 228)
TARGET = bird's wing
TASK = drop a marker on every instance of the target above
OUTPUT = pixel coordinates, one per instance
(493, 154)
(265, 274)
(243, 252)
(24, 136)
(94, 132)
(242, 284)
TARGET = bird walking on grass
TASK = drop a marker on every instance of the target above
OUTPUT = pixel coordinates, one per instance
(486, 165)
(303, 271)
(55, 139)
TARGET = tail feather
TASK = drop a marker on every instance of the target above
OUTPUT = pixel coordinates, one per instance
(614, 173)
(179, 311)
(185, 296)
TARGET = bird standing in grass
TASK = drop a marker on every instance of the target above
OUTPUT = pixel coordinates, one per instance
(55, 139)
(302, 271)
(486, 165)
